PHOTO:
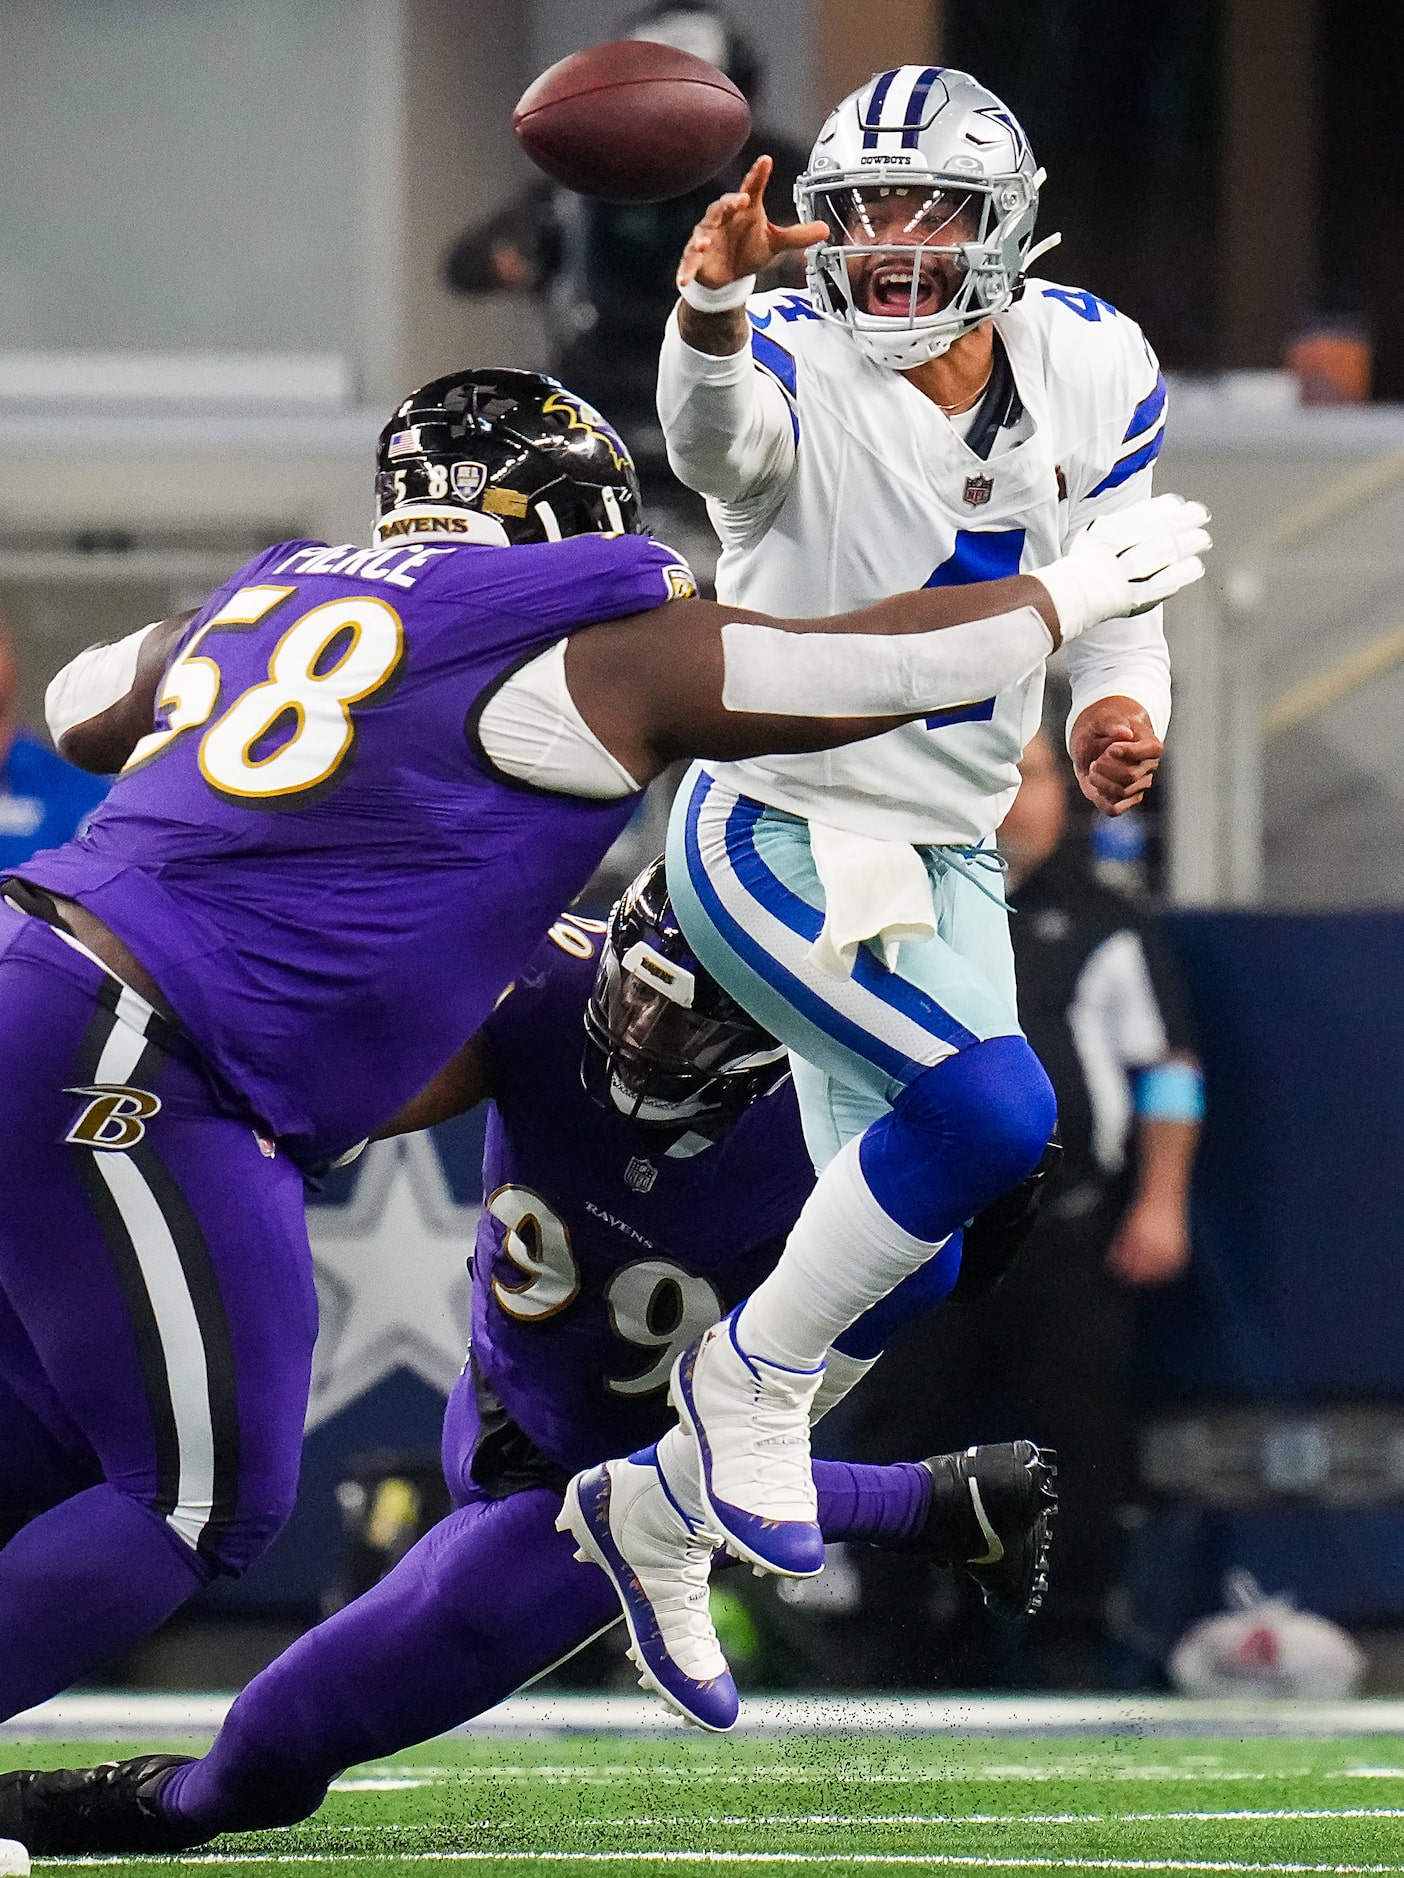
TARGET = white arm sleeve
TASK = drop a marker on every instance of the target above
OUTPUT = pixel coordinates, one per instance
(530, 729)
(94, 680)
(1122, 658)
(728, 427)
(878, 674)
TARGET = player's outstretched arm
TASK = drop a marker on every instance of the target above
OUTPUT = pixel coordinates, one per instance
(719, 682)
(464, 1081)
(103, 702)
(729, 429)
(734, 241)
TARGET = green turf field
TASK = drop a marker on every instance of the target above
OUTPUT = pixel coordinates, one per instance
(791, 1804)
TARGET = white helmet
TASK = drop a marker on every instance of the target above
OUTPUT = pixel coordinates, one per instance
(929, 158)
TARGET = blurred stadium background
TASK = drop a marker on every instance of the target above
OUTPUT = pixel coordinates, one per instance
(222, 259)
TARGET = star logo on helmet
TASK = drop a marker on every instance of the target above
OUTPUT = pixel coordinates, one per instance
(1010, 125)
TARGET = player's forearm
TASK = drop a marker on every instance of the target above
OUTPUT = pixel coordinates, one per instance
(728, 429)
(726, 684)
(1122, 658)
(716, 334)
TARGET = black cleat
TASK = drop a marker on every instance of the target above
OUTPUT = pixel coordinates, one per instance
(111, 1808)
(992, 1515)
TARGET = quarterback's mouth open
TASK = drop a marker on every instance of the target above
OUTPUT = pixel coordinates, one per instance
(886, 289)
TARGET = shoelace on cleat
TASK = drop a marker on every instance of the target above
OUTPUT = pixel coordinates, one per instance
(682, 1605)
(779, 1449)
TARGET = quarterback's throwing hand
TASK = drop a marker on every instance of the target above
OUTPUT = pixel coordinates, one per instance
(736, 238)
(1128, 562)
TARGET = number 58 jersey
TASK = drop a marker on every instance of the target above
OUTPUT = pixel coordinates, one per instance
(850, 485)
(310, 855)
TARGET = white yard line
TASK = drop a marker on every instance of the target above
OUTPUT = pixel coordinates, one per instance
(114, 1716)
(656, 1822)
(967, 1861)
(647, 1773)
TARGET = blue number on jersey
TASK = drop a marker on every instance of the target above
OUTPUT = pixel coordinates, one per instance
(795, 306)
(1086, 305)
(993, 555)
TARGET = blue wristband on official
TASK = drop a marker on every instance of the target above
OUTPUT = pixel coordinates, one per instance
(1170, 1092)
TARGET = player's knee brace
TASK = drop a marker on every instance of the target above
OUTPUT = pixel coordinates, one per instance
(959, 1136)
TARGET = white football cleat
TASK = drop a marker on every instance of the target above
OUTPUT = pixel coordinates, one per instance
(749, 1419)
(659, 1562)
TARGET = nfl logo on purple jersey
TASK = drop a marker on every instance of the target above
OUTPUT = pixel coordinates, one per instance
(640, 1174)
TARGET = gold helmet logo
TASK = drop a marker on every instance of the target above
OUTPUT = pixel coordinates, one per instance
(582, 416)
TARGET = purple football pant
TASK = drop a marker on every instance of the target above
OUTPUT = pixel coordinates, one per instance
(486, 1602)
(157, 1317)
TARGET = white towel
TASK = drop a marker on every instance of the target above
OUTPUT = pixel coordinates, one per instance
(872, 890)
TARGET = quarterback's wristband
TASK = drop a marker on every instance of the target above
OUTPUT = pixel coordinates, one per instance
(1170, 1092)
(728, 299)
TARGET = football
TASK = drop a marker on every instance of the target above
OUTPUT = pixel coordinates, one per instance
(631, 121)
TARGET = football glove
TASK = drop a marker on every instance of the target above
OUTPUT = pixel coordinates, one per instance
(1128, 562)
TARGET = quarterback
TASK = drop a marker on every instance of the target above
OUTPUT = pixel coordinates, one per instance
(356, 788)
(925, 414)
(643, 1165)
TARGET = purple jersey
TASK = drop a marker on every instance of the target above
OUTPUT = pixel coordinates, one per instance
(599, 1255)
(322, 874)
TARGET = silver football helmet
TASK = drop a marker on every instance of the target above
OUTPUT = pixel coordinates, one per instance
(930, 192)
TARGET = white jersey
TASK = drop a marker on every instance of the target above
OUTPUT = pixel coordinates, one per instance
(833, 483)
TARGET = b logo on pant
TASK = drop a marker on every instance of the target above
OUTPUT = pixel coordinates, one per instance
(115, 1118)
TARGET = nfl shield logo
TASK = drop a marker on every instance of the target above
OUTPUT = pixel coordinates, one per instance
(977, 490)
(468, 479)
(640, 1174)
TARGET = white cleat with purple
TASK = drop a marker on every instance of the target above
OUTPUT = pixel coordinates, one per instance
(625, 1521)
(749, 1420)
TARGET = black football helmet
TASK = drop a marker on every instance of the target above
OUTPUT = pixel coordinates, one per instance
(502, 456)
(665, 1045)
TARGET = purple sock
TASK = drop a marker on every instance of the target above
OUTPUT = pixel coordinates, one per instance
(487, 1600)
(80, 1584)
(883, 1505)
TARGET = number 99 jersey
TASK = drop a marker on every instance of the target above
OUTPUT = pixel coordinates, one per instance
(310, 854)
(600, 1254)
